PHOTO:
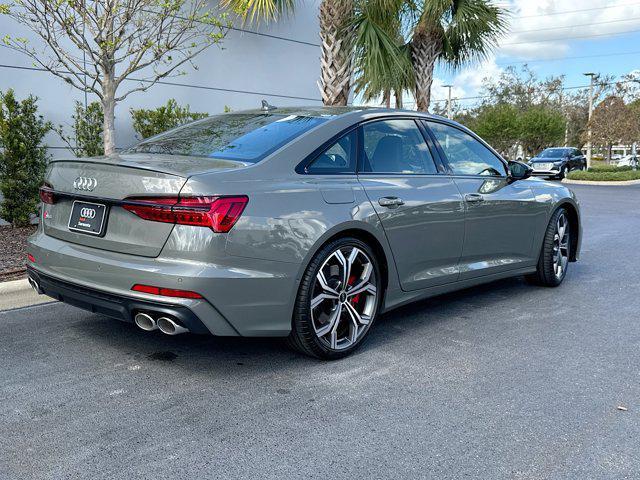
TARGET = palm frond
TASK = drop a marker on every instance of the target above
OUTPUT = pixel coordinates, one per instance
(382, 62)
(258, 11)
(472, 31)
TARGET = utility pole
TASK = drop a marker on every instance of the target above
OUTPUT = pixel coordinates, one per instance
(591, 75)
(448, 100)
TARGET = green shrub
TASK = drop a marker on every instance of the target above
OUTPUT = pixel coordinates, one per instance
(609, 168)
(23, 158)
(88, 124)
(601, 176)
(148, 123)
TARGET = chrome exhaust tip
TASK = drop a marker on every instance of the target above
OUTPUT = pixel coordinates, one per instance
(35, 286)
(145, 322)
(170, 327)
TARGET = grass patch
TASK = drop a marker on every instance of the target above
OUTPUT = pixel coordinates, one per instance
(618, 175)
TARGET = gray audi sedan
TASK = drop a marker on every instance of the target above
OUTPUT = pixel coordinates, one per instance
(305, 223)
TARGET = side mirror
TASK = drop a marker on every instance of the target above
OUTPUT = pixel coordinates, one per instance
(519, 171)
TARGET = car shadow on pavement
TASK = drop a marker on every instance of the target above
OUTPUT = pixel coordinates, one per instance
(225, 354)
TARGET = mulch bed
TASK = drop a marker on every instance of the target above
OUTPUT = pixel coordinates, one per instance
(13, 251)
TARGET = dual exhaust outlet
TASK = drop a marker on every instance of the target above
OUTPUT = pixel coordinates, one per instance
(165, 324)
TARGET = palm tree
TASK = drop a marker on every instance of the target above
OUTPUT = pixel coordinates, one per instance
(336, 61)
(453, 31)
(336, 34)
(382, 60)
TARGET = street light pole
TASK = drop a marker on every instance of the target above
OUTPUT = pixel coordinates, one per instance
(591, 75)
(448, 100)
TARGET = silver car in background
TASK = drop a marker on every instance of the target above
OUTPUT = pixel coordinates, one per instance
(305, 223)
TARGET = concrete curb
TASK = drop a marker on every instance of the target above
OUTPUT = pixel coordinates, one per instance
(609, 184)
(18, 293)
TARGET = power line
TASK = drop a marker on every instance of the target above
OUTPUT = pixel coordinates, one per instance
(558, 39)
(277, 37)
(176, 84)
(555, 59)
(573, 87)
(577, 11)
(580, 25)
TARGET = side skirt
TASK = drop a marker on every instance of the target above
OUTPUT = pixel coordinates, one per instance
(399, 298)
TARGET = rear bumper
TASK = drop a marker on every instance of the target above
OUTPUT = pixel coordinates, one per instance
(242, 296)
(116, 306)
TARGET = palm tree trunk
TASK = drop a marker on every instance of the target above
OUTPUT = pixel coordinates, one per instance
(398, 95)
(426, 47)
(336, 62)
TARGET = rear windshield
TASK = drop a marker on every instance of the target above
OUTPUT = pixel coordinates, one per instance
(554, 153)
(242, 137)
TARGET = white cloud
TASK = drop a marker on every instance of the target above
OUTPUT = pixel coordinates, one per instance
(534, 21)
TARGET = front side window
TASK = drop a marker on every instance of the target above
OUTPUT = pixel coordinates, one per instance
(338, 158)
(238, 136)
(395, 146)
(465, 154)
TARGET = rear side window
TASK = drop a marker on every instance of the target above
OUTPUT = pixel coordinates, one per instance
(338, 158)
(242, 137)
(465, 154)
(395, 146)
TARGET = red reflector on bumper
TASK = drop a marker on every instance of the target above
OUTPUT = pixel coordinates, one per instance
(167, 292)
(31, 258)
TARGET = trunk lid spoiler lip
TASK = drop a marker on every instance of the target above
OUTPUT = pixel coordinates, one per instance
(176, 165)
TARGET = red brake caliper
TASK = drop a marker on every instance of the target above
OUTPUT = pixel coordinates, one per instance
(355, 299)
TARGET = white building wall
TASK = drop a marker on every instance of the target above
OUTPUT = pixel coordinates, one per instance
(249, 66)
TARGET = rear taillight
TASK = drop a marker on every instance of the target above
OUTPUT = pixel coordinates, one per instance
(167, 292)
(46, 195)
(217, 213)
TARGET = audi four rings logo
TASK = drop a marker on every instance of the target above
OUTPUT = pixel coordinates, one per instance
(88, 213)
(85, 183)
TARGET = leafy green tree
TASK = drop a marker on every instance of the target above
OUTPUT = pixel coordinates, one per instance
(540, 126)
(148, 123)
(87, 131)
(23, 157)
(498, 124)
(613, 121)
(129, 45)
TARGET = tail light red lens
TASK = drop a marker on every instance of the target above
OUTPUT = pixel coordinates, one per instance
(46, 195)
(31, 258)
(218, 213)
(167, 292)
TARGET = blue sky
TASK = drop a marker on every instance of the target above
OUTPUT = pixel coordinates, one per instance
(540, 32)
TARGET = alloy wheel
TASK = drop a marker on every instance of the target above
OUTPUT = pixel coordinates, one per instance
(344, 298)
(561, 246)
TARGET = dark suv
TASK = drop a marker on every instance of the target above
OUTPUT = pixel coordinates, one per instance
(556, 162)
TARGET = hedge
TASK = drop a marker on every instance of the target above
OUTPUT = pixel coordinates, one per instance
(600, 176)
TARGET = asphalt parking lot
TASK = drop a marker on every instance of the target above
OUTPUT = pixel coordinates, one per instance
(500, 381)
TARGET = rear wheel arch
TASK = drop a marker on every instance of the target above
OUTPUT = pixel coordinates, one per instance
(574, 224)
(363, 235)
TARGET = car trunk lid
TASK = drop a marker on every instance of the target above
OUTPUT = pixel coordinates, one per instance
(108, 181)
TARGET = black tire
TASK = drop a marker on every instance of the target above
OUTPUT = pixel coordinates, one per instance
(303, 335)
(563, 173)
(546, 269)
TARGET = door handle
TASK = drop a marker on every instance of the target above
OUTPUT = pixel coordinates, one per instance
(390, 202)
(473, 197)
